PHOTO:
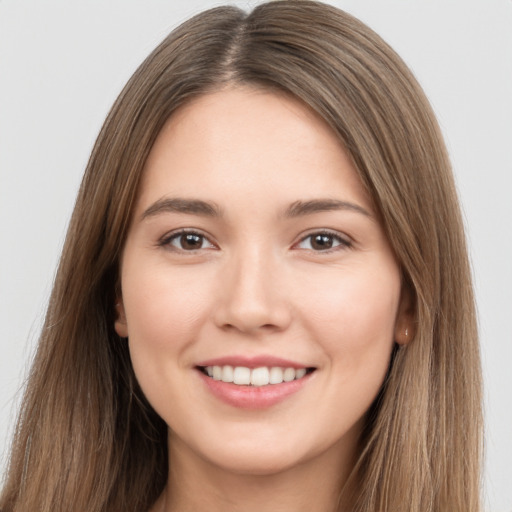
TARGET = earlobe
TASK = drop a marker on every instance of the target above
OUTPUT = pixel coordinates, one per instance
(404, 324)
(403, 335)
(120, 323)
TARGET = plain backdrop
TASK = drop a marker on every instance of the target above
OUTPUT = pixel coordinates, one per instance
(62, 63)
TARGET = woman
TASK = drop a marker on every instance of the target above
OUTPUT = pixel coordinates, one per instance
(264, 298)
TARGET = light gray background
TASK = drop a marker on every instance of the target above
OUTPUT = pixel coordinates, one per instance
(63, 63)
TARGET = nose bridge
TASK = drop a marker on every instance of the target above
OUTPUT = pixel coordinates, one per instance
(252, 298)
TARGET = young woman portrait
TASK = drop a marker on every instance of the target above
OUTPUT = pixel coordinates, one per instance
(264, 300)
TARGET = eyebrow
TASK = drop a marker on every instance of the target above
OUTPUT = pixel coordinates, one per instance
(179, 205)
(211, 209)
(300, 208)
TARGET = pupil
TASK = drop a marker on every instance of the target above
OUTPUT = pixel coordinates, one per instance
(189, 241)
(322, 242)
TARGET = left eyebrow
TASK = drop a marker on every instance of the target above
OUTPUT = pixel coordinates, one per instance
(182, 205)
(300, 208)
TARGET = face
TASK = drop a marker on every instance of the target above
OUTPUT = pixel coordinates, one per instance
(260, 297)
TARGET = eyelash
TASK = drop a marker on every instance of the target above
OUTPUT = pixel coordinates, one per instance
(342, 243)
(166, 240)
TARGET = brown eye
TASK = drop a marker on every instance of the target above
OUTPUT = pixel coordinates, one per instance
(188, 241)
(323, 242)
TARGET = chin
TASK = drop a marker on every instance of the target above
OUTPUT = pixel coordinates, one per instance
(274, 453)
(256, 462)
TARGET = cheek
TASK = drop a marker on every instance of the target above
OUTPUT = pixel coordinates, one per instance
(162, 308)
(354, 324)
(164, 312)
(353, 316)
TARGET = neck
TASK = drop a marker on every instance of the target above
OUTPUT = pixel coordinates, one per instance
(197, 484)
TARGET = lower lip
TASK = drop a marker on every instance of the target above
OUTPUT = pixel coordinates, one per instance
(253, 397)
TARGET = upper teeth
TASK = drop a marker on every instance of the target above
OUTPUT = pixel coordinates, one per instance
(242, 375)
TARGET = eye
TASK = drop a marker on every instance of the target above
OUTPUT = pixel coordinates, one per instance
(187, 241)
(323, 241)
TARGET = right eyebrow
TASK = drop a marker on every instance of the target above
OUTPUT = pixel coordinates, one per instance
(301, 208)
(181, 205)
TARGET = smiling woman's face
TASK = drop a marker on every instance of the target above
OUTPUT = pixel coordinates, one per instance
(254, 248)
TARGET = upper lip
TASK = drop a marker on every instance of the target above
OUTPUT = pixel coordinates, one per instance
(252, 362)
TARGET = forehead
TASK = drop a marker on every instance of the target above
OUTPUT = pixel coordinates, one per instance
(251, 143)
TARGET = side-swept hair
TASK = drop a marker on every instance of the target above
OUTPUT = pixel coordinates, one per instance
(88, 440)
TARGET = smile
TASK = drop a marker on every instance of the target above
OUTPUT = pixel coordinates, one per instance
(262, 376)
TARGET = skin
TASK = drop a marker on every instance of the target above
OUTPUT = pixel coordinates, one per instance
(256, 284)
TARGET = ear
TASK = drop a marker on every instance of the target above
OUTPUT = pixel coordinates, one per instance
(120, 324)
(405, 318)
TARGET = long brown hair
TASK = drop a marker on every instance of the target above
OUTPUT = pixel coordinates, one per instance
(86, 437)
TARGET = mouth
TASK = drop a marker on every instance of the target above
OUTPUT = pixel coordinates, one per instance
(254, 377)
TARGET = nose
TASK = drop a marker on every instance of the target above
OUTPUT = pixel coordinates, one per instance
(252, 294)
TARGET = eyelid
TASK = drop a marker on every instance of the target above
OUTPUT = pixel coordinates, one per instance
(345, 242)
(165, 240)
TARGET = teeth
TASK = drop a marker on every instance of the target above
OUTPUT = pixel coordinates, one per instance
(288, 374)
(217, 373)
(244, 376)
(300, 373)
(241, 375)
(276, 375)
(227, 374)
(259, 377)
